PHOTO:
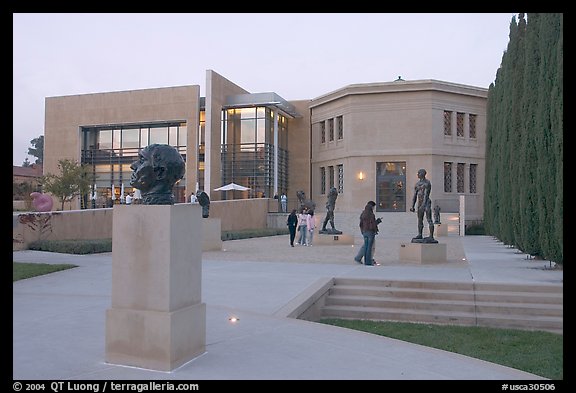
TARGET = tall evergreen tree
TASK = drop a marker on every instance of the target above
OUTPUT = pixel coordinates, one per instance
(549, 33)
(527, 200)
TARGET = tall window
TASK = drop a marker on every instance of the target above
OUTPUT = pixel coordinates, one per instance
(473, 168)
(447, 123)
(340, 179)
(247, 151)
(330, 176)
(110, 150)
(322, 180)
(322, 132)
(472, 126)
(447, 177)
(330, 130)
(340, 125)
(460, 177)
(460, 124)
(391, 186)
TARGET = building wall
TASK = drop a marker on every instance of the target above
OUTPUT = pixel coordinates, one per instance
(396, 121)
(65, 115)
(299, 147)
(217, 88)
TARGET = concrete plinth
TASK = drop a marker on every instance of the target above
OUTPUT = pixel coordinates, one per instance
(423, 253)
(330, 239)
(157, 320)
(212, 228)
(441, 230)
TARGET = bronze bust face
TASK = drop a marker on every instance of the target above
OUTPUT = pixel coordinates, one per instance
(158, 168)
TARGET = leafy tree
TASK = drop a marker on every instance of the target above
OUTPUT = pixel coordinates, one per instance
(74, 180)
(38, 149)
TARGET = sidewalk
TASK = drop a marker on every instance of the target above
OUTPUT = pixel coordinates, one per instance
(59, 319)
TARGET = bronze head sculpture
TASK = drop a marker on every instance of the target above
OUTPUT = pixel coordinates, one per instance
(158, 168)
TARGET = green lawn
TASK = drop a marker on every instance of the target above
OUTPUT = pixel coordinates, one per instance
(536, 352)
(20, 271)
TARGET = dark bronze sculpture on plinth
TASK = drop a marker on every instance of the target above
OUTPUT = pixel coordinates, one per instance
(158, 168)
(204, 201)
(422, 191)
(330, 205)
(305, 203)
(437, 215)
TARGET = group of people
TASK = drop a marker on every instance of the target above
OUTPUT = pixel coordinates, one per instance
(305, 223)
(421, 204)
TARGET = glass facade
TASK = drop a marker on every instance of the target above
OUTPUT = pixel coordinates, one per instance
(248, 151)
(391, 186)
(110, 150)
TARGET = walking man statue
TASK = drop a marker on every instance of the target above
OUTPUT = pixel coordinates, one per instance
(422, 195)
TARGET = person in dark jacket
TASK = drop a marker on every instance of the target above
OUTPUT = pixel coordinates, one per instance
(292, 221)
(368, 227)
(360, 254)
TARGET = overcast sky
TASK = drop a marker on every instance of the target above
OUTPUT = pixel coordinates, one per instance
(298, 56)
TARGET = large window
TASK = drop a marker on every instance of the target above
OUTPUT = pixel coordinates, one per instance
(330, 176)
(340, 179)
(110, 150)
(473, 170)
(447, 123)
(460, 124)
(340, 125)
(391, 186)
(447, 177)
(460, 177)
(248, 150)
(472, 126)
(322, 180)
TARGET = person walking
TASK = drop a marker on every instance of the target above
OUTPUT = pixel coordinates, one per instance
(303, 226)
(292, 222)
(360, 254)
(368, 227)
(284, 202)
(311, 223)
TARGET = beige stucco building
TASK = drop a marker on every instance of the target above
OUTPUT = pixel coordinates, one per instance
(367, 140)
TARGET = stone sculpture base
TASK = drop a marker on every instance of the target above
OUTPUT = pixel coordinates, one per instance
(441, 230)
(329, 232)
(157, 320)
(212, 232)
(331, 240)
(423, 252)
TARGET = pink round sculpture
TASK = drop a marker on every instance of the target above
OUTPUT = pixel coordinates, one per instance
(41, 202)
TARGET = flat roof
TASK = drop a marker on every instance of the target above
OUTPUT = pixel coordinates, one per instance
(261, 99)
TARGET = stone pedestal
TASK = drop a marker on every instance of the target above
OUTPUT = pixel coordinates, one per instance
(441, 230)
(212, 232)
(157, 320)
(423, 253)
(330, 239)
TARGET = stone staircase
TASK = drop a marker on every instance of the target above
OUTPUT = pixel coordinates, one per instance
(514, 306)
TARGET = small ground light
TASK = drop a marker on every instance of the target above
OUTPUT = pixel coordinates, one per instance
(233, 319)
(463, 259)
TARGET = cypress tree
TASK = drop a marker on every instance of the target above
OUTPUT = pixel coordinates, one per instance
(527, 197)
(549, 34)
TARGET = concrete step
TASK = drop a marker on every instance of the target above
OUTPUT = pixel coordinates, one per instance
(546, 323)
(519, 306)
(447, 305)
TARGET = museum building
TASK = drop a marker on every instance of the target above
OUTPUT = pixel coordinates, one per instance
(367, 140)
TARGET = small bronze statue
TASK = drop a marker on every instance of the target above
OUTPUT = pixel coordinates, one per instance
(204, 201)
(158, 168)
(437, 215)
(422, 193)
(305, 203)
(330, 205)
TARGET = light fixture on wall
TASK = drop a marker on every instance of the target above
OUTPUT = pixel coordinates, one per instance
(361, 175)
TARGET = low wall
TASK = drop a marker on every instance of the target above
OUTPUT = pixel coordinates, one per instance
(97, 223)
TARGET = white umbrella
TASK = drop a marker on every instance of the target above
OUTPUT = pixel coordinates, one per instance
(232, 186)
(113, 194)
(94, 192)
(122, 193)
